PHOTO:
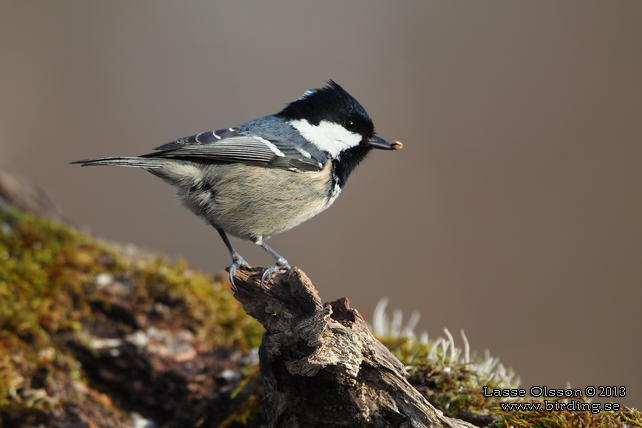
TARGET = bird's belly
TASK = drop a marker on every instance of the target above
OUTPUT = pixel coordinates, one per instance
(256, 202)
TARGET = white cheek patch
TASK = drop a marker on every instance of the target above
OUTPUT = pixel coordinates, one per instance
(328, 136)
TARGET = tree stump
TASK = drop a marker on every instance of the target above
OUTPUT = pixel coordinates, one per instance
(320, 364)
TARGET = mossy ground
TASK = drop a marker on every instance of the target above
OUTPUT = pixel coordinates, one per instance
(455, 387)
(49, 295)
(52, 296)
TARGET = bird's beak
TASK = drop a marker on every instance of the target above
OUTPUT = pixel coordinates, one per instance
(379, 143)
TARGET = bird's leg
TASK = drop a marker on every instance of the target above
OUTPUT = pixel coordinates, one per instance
(281, 263)
(237, 260)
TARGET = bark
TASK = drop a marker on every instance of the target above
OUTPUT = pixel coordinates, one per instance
(321, 366)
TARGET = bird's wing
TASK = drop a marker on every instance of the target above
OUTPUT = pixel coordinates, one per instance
(231, 145)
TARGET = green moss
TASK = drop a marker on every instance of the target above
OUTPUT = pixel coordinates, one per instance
(48, 284)
(625, 417)
(446, 380)
(49, 289)
(454, 385)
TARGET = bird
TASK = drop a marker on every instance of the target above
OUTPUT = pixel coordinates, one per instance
(269, 174)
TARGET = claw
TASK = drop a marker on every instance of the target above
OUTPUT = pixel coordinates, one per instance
(281, 263)
(237, 263)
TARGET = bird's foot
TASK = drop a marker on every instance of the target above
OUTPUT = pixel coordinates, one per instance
(237, 262)
(281, 263)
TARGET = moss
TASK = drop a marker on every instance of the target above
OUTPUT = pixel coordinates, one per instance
(625, 417)
(49, 290)
(447, 381)
(455, 386)
(55, 284)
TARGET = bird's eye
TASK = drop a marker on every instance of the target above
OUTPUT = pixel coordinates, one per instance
(350, 125)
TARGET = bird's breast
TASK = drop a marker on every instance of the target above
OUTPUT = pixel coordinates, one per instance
(259, 202)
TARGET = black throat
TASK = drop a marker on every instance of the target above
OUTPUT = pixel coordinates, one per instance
(347, 162)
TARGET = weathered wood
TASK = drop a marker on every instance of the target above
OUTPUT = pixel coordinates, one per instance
(320, 364)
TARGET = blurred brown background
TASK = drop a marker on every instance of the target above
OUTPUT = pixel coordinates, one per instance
(513, 211)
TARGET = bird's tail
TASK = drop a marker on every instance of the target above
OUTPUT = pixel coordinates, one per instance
(138, 162)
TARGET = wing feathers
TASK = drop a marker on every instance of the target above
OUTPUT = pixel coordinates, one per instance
(229, 145)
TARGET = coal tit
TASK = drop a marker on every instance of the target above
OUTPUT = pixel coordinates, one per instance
(270, 174)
